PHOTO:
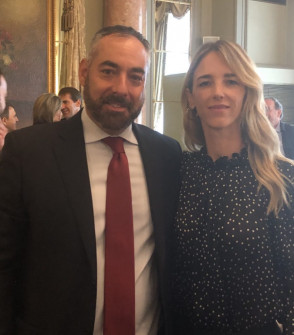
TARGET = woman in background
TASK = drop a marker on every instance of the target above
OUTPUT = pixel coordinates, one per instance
(47, 109)
(234, 247)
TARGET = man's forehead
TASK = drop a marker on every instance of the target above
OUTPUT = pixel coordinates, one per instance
(127, 44)
(3, 83)
(65, 97)
(270, 102)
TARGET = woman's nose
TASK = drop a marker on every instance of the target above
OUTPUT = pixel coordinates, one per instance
(218, 91)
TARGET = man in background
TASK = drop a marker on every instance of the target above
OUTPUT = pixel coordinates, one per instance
(71, 101)
(274, 111)
(3, 94)
(9, 118)
(56, 208)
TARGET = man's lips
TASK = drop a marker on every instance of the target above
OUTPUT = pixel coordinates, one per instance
(116, 107)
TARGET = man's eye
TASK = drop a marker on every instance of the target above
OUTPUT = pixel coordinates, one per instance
(107, 71)
(137, 77)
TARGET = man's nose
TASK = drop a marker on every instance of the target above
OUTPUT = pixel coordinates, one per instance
(120, 84)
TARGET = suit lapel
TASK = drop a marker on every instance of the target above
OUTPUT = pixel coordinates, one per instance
(70, 155)
(147, 151)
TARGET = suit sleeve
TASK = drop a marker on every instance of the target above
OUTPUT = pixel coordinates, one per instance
(283, 243)
(12, 230)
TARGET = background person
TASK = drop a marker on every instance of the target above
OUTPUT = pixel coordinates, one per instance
(53, 236)
(234, 248)
(47, 109)
(71, 101)
(274, 112)
(3, 94)
(9, 117)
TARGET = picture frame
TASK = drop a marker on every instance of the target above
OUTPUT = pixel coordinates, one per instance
(27, 52)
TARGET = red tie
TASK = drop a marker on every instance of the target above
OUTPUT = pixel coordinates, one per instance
(119, 285)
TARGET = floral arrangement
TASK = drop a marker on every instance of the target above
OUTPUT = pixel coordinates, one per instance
(7, 58)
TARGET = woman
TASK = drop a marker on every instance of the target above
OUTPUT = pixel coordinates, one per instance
(47, 109)
(234, 261)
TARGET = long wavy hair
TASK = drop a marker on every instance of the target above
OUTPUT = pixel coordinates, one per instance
(45, 107)
(260, 138)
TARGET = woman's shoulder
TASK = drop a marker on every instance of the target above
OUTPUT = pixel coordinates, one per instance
(286, 167)
(191, 156)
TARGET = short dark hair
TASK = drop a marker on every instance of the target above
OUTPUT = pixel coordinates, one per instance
(120, 31)
(75, 94)
(277, 103)
(5, 113)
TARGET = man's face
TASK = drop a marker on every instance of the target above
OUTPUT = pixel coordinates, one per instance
(114, 82)
(68, 107)
(10, 122)
(274, 115)
(3, 93)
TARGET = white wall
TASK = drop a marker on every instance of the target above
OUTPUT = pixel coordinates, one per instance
(94, 18)
(267, 30)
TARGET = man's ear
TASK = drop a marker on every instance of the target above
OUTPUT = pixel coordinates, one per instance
(279, 112)
(4, 121)
(78, 103)
(83, 71)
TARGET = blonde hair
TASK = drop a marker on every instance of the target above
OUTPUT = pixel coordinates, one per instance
(45, 108)
(260, 138)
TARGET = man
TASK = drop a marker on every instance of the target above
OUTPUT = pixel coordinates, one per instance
(274, 111)
(71, 101)
(53, 199)
(3, 94)
(9, 118)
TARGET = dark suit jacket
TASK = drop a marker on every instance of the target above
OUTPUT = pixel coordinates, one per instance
(48, 269)
(287, 132)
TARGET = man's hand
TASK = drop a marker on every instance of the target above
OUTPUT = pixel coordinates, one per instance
(3, 132)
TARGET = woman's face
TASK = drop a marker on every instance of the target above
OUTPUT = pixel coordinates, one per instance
(57, 116)
(217, 95)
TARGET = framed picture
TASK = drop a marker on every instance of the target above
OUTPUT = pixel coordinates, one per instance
(278, 2)
(27, 52)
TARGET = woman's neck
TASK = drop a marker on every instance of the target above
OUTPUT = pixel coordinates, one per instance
(219, 144)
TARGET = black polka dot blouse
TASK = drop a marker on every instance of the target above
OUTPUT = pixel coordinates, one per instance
(234, 264)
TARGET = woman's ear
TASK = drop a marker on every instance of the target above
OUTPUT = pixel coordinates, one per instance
(190, 98)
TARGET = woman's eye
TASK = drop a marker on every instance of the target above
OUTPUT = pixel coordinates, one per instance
(233, 82)
(204, 83)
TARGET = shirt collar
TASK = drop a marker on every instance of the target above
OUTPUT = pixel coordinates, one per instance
(278, 128)
(93, 133)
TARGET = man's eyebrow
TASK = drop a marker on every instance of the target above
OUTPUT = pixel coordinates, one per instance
(116, 66)
(138, 70)
(109, 63)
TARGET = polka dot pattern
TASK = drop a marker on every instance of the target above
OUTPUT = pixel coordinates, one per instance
(234, 264)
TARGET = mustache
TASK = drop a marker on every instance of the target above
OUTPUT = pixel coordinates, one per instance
(116, 99)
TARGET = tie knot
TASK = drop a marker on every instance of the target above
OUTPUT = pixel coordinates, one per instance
(115, 143)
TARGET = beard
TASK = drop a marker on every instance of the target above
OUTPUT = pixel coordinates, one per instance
(109, 120)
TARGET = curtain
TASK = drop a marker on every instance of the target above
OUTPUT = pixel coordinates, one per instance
(74, 49)
(161, 21)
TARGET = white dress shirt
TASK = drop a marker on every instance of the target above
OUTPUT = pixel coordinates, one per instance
(146, 290)
(278, 130)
